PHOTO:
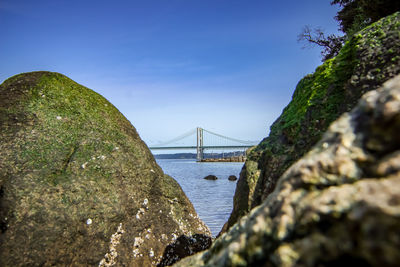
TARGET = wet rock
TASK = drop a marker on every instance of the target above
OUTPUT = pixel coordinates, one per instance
(232, 178)
(78, 187)
(338, 205)
(184, 246)
(211, 177)
(369, 59)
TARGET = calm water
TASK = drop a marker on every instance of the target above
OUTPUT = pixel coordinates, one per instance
(213, 200)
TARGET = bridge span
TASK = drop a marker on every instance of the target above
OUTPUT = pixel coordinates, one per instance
(216, 141)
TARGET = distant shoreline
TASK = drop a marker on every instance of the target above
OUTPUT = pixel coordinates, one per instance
(230, 159)
(208, 157)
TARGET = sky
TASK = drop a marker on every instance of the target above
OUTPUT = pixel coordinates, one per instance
(229, 66)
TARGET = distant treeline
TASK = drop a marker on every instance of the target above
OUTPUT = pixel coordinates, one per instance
(194, 155)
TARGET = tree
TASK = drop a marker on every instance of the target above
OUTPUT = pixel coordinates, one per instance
(354, 16)
(357, 14)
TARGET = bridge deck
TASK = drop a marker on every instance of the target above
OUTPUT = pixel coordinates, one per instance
(203, 147)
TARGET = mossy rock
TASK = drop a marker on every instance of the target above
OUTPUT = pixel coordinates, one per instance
(366, 61)
(78, 186)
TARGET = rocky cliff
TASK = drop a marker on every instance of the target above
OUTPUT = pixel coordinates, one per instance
(78, 187)
(367, 60)
(339, 205)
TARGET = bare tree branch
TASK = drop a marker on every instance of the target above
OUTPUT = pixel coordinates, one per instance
(331, 44)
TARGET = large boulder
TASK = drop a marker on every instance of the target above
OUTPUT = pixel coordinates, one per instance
(367, 60)
(338, 205)
(78, 186)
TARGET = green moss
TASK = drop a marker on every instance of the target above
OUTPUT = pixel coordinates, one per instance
(309, 91)
(317, 96)
(76, 118)
(368, 59)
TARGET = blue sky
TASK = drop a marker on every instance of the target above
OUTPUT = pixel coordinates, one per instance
(229, 66)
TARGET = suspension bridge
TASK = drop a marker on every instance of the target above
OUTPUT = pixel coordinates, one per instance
(205, 140)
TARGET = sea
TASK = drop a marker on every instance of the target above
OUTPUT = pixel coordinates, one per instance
(212, 199)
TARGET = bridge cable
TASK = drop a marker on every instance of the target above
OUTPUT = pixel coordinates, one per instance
(231, 139)
(177, 138)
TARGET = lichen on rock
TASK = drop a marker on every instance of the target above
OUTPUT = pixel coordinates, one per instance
(338, 205)
(72, 171)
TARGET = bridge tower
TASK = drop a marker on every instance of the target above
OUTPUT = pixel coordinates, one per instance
(200, 144)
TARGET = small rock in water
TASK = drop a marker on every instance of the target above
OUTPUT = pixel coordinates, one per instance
(232, 178)
(211, 177)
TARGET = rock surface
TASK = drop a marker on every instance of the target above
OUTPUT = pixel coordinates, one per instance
(366, 61)
(183, 247)
(78, 187)
(338, 205)
(211, 177)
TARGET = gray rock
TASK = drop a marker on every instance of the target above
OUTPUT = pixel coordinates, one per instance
(339, 204)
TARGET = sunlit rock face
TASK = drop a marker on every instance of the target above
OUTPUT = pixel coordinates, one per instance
(338, 205)
(367, 60)
(78, 187)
